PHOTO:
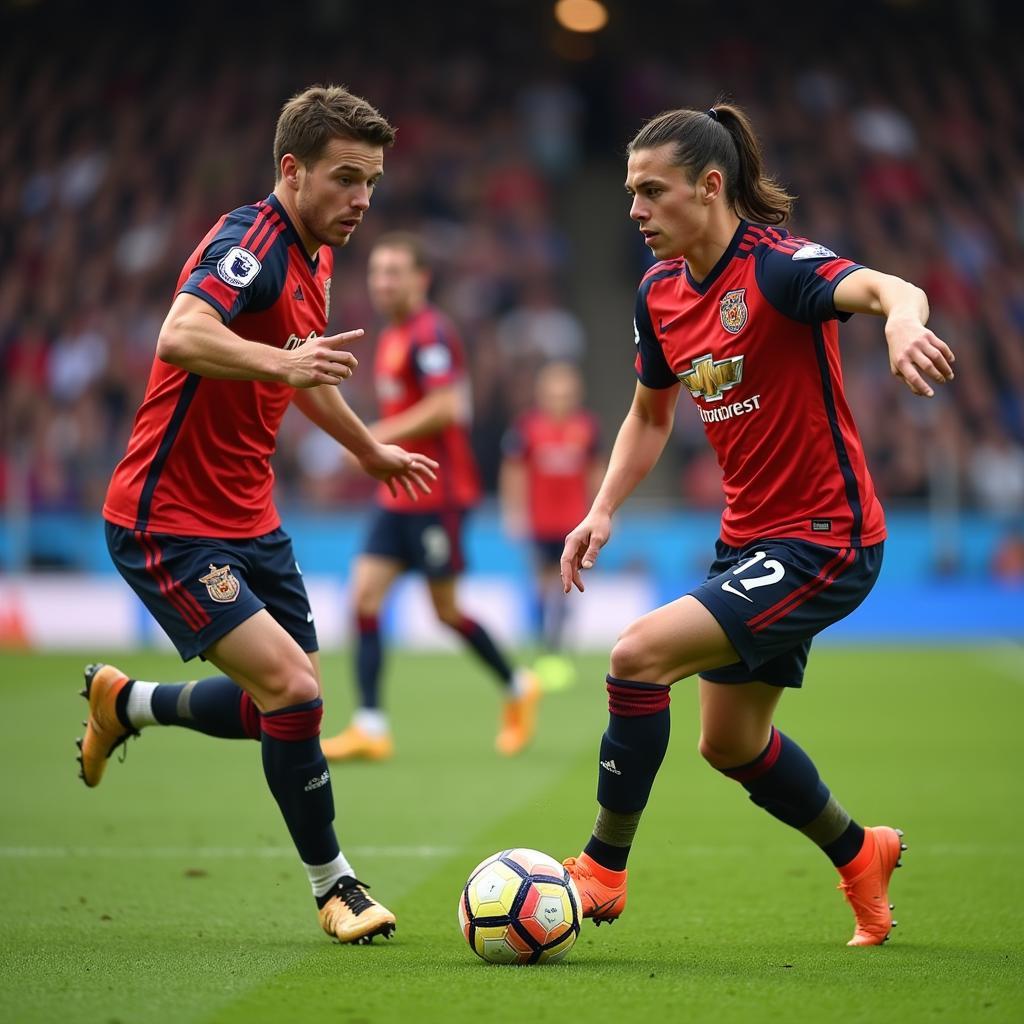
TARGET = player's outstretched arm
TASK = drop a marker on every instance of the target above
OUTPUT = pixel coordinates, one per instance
(194, 337)
(437, 409)
(326, 407)
(915, 353)
(638, 446)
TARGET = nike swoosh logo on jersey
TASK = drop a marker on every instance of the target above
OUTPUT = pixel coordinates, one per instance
(663, 327)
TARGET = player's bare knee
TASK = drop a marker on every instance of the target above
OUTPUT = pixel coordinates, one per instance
(717, 751)
(451, 617)
(289, 682)
(367, 605)
(631, 658)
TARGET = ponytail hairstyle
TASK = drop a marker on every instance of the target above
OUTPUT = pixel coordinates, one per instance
(721, 136)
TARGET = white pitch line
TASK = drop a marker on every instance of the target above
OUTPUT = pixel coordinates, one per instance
(410, 852)
(210, 852)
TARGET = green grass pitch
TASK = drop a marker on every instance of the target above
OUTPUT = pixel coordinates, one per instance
(170, 893)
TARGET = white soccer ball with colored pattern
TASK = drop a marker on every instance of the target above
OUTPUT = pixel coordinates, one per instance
(520, 907)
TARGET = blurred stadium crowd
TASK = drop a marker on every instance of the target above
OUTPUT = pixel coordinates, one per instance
(908, 157)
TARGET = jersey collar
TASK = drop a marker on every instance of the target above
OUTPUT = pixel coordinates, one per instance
(716, 271)
(293, 235)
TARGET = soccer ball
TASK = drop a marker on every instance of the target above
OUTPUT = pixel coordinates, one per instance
(520, 907)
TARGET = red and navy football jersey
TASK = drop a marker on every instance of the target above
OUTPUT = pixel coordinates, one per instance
(756, 344)
(198, 459)
(558, 454)
(413, 358)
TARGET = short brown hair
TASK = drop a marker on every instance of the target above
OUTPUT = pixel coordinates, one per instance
(406, 240)
(311, 118)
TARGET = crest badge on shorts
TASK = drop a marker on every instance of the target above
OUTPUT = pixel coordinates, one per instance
(220, 584)
(734, 310)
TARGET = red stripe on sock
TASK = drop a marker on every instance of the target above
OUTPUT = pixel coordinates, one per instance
(762, 764)
(250, 715)
(633, 701)
(367, 623)
(287, 724)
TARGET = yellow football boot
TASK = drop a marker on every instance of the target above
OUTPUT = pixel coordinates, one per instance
(519, 715)
(350, 915)
(104, 731)
(355, 743)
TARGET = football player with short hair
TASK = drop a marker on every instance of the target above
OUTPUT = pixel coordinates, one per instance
(190, 517)
(423, 393)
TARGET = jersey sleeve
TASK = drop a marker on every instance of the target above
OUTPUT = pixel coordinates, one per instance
(800, 282)
(437, 356)
(652, 369)
(239, 268)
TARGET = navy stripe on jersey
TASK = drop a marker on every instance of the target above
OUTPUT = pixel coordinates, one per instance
(842, 455)
(259, 229)
(652, 367)
(188, 392)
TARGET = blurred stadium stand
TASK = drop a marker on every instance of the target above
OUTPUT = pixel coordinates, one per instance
(129, 128)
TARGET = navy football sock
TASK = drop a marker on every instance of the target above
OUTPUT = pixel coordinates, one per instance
(484, 648)
(632, 750)
(369, 658)
(783, 780)
(217, 706)
(298, 776)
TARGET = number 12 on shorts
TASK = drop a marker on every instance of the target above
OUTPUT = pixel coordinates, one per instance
(776, 570)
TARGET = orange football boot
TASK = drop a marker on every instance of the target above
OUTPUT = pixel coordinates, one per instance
(867, 891)
(350, 915)
(519, 716)
(355, 743)
(602, 891)
(104, 732)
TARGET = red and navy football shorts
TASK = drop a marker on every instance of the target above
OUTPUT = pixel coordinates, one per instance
(771, 598)
(427, 542)
(200, 588)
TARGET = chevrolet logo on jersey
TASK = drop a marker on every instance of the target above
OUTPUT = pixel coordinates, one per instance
(709, 377)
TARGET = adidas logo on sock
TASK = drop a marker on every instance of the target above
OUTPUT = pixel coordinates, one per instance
(317, 781)
(609, 766)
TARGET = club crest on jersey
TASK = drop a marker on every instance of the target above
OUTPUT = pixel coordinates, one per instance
(734, 310)
(709, 378)
(220, 584)
(238, 267)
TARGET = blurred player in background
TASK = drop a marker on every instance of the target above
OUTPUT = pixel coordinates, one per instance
(746, 322)
(549, 475)
(190, 518)
(422, 389)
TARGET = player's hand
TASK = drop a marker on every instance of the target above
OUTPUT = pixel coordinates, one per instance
(398, 468)
(321, 361)
(918, 356)
(581, 548)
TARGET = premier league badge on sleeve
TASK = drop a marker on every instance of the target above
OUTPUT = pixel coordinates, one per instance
(238, 267)
(734, 310)
(220, 584)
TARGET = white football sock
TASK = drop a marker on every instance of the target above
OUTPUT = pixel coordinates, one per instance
(323, 876)
(372, 721)
(140, 704)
